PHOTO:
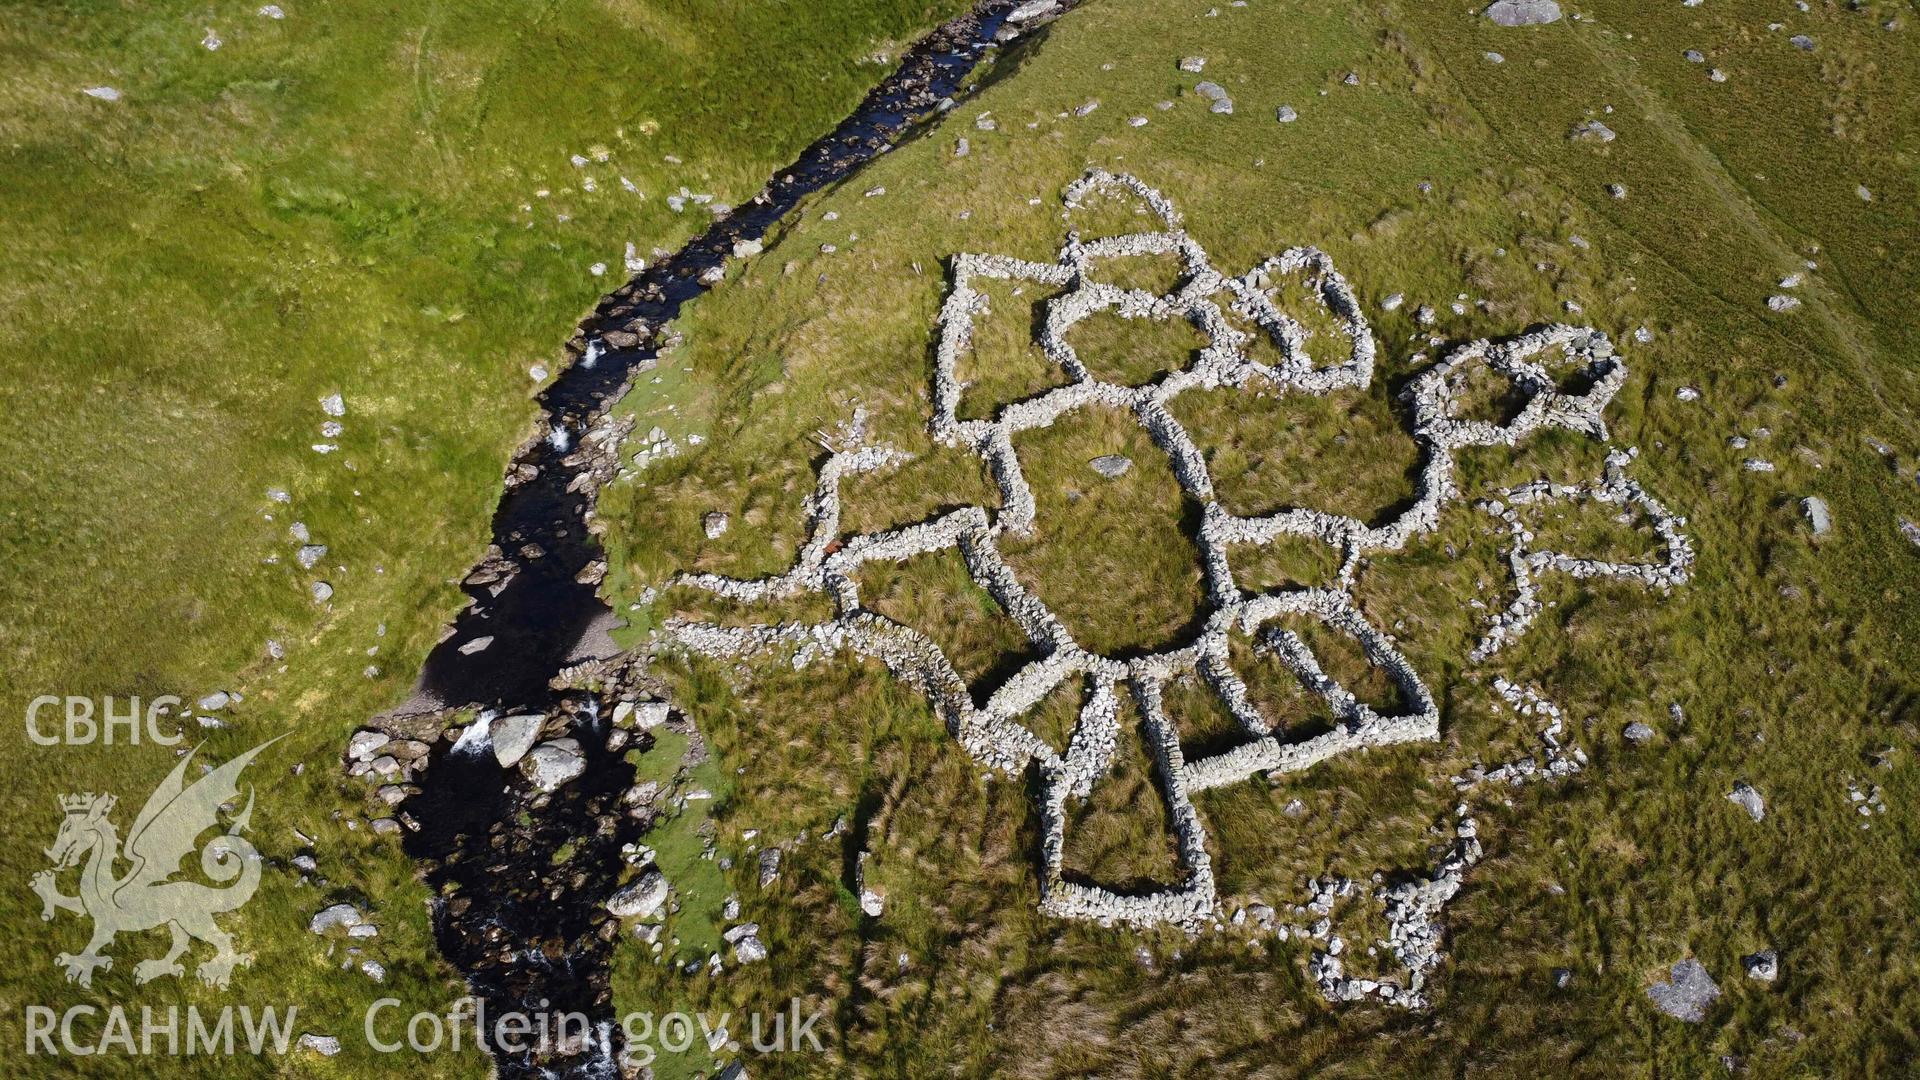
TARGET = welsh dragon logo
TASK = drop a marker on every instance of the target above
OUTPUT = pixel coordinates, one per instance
(165, 832)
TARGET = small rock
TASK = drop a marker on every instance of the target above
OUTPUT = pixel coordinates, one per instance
(749, 950)
(1638, 733)
(322, 592)
(1194, 64)
(1748, 799)
(333, 405)
(104, 93)
(1393, 302)
(1562, 977)
(1763, 965)
(769, 866)
(214, 702)
(715, 525)
(309, 555)
(1286, 114)
(1618, 191)
(1782, 302)
(1111, 466)
(477, 645)
(1687, 393)
(1801, 42)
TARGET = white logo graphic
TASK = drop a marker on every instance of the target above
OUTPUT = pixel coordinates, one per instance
(166, 831)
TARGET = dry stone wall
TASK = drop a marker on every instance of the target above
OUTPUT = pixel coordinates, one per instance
(994, 733)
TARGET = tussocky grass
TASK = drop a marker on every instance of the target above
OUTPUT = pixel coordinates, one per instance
(1786, 663)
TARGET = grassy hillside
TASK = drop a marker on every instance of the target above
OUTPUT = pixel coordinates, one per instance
(406, 206)
(1424, 167)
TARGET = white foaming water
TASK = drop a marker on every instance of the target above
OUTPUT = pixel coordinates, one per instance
(559, 438)
(478, 738)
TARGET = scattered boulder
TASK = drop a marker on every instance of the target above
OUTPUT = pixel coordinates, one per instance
(477, 645)
(640, 898)
(1592, 131)
(1763, 965)
(1638, 733)
(715, 525)
(1217, 94)
(322, 592)
(749, 950)
(1286, 114)
(1194, 64)
(309, 554)
(769, 866)
(344, 916)
(1523, 12)
(324, 1045)
(1111, 466)
(1818, 516)
(1689, 994)
(1749, 800)
(1782, 302)
(214, 702)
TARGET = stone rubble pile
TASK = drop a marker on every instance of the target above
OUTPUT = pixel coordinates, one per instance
(992, 733)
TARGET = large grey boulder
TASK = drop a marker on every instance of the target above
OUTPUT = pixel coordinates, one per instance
(1523, 12)
(513, 736)
(339, 915)
(552, 764)
(639, 898)
(1817, 514)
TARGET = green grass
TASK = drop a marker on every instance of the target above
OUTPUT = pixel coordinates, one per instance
(358, 199)
(1792, 662)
